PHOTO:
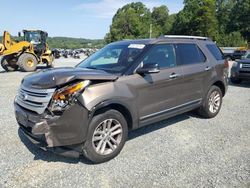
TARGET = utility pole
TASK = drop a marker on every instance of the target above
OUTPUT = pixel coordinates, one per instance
(150, 31)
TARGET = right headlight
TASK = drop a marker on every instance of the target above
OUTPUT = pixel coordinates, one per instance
(66, 95)
(66, 92)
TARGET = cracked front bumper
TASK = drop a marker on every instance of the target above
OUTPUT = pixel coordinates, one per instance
(59, 134)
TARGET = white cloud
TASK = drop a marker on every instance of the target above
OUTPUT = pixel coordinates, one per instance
(107, 8)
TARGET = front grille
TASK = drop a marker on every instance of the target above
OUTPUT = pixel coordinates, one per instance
(35, 100)
(246, 66)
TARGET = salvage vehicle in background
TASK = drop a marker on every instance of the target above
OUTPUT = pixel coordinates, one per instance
(247, 55)
(240, 70)
(25, 54)
(233, 53)
(56, 53)
(89, 109)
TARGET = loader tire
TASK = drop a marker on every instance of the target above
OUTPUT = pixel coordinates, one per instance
(7, 65)
(51, 64)
(27, 62)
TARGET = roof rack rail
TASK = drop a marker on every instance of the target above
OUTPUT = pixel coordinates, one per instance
(184, 37)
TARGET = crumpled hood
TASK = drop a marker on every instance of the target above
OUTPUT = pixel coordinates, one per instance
(52, 78)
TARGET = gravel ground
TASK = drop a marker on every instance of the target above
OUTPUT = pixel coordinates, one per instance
(184, 151)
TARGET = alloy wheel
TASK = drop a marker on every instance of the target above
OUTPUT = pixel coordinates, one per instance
(107, 136)
(214, 102)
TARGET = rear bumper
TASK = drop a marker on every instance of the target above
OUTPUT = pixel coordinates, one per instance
(64, 134)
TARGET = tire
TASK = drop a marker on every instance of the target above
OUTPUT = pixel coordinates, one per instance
(50, 65)
(120, 129)
(235, 80)
(8, 64)
(214, 98)
(52, 59)
(27, 62)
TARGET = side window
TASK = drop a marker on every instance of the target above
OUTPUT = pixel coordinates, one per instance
(162, 54)
(215, 51)
(190, 54)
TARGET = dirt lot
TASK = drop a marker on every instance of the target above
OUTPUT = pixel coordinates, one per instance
(185, 151)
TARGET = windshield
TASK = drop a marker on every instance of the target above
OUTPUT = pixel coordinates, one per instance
(247, 55)
(113, 58)
(32, 37)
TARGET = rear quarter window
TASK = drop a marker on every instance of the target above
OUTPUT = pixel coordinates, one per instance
(215, 51)
(190, 54)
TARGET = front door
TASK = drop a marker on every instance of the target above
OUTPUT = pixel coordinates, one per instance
(157, 93)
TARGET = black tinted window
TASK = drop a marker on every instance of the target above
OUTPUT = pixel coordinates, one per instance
(190, 54)
(162, 54)
(215, 51)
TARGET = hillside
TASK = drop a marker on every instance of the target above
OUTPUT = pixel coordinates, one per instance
(71, 43)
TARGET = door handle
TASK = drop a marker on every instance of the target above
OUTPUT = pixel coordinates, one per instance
(208, 68)
(174, 75)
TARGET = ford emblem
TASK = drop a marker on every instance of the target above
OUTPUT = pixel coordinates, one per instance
(23, 96)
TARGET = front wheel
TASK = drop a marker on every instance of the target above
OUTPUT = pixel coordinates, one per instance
(27, 62)
(212, 103)
(106, 136)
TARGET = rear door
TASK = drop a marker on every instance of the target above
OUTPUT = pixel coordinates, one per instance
(196, 71)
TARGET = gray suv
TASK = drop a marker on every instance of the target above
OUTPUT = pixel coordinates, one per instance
(89, 109)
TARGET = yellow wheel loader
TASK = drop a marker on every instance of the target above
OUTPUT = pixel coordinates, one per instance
(25, 54)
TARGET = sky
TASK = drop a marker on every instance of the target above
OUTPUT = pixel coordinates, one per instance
(74, 18)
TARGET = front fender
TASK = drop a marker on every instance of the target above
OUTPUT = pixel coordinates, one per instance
(107, 93)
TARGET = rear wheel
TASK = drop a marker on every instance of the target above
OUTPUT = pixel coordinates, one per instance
(106, 136)
(9, 63)
(51, 64)
(27, 62)
(212, 103)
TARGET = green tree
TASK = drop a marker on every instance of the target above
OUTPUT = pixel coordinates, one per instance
(232, 39)
(240, 18)
(131, 21)
(160, 20)
(197, 18)
(223, 12)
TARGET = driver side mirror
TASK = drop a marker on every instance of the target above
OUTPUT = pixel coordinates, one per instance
(19, 34)
(148, 69)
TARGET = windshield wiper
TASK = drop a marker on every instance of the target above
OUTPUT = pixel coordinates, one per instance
(91, 68)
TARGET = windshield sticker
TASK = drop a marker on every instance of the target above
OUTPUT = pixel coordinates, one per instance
(137, 46)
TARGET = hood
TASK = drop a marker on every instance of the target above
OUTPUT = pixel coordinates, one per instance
(244, 61)
(52, 78)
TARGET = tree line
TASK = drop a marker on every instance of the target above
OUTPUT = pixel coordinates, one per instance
(225, 21)
(69, 43)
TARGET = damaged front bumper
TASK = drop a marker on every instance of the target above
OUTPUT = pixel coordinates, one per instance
(64, 134)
